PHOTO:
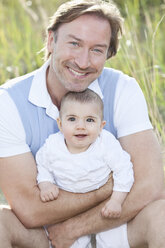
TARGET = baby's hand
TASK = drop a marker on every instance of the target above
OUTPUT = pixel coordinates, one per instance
(112, 209)
(48, 191)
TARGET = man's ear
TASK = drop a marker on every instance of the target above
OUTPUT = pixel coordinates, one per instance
(50, 41)
(59, 124)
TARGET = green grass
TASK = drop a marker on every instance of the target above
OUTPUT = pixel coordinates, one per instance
(142, 56)
(19, 41)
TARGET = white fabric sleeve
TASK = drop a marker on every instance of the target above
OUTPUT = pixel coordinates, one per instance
(131, 113)
(120, 163)
(43, 163)
(12, 134)
(44, 175)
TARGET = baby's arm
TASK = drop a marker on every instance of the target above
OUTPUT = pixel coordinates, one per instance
(45, 177)
(113, 207)
(119, 162)
(48, 191)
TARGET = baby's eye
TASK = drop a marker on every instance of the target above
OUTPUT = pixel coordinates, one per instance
(90, 120)
(71, 119)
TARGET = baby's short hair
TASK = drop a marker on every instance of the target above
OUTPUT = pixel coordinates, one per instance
(86, 96)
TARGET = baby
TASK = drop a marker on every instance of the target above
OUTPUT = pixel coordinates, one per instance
(80, 157)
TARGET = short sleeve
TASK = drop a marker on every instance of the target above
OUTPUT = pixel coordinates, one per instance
(131, 112)
(12, 134)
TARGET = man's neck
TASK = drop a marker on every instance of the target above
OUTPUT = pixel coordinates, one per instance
(56, 91)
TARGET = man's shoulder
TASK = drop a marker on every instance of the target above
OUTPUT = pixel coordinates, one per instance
(111, 78)
(112, 73)
(15, 81)
(111, 70)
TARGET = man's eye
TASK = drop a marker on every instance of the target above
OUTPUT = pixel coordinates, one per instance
(90, 120)
(74, 43)
(71, 119)
(96, 50)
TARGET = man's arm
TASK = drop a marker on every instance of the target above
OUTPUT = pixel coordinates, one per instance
(18, 183)
(147, 161)
(149, 182)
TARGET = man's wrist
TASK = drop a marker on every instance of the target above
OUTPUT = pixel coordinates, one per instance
(72, 229)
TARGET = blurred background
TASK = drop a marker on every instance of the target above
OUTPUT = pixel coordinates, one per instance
(141, 53)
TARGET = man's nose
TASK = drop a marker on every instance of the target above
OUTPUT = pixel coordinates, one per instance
(83, 59)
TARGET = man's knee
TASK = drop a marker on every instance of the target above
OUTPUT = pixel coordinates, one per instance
(5, 214)
(13, 232)
(147, 228)
(154, 215)
(156, 224)
(5, 227)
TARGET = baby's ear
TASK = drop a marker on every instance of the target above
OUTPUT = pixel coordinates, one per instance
(59, 123)
(102, 125)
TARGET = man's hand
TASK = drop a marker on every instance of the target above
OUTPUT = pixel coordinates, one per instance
(59, 235)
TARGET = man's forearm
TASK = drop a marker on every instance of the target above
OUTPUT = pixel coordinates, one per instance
(92, 221)
(67, 205)
(86, 223)
(18, 183)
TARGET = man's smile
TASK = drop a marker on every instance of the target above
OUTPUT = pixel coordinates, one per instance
(76, 73)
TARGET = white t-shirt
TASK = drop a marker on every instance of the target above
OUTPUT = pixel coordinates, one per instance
(88, 170)
(130, 115)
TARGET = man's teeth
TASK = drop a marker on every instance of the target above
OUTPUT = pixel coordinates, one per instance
(77, 73)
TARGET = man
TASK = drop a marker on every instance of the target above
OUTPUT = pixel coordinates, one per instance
(81, 36)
